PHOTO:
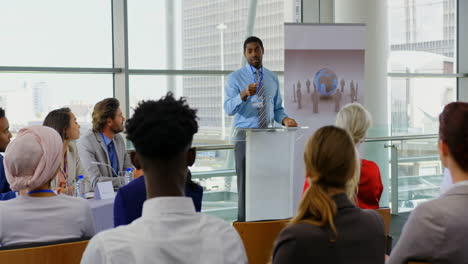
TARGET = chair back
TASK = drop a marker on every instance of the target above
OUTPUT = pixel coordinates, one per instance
(69, 253)
(386, 217)
(385, 213)
(259, 237)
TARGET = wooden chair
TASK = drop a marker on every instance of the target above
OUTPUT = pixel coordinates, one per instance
(259, 237)
(69, 253)
(385, 213)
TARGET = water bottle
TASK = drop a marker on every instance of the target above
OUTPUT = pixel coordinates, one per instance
(128, 175)
(80, 187)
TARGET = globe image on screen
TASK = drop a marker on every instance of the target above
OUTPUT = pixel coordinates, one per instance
(326, 82)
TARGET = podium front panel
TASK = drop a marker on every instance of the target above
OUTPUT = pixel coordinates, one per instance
(268, 183)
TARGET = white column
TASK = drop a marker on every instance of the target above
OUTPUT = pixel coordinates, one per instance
(310, 11)
(170, 44)
(462, 50)
(374, 14)
(326, 11)
(376, 99)
(120, 52)
(317, 11)
(221, 27)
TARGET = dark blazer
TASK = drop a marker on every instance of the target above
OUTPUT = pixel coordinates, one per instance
(129, 201)
(5, 192)
(360, 240)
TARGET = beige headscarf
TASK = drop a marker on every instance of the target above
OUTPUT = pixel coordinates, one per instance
(32, 159)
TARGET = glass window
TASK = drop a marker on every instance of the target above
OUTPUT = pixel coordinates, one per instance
(144, 87)
(147, 36)
(27, 98)
(186, 34)
(417, 102)
(56, 33)
(269, 27)
(419, 172)
(203, 35)
(423, 36)
(205, 93)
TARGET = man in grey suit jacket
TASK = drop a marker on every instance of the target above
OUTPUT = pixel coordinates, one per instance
(102, 150)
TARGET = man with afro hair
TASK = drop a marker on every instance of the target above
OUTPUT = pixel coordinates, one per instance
(169, 230)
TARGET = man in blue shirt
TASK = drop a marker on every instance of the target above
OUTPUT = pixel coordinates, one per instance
(253, 96)
(5, 192)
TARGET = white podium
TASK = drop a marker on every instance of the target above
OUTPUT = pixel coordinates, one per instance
(269, 173)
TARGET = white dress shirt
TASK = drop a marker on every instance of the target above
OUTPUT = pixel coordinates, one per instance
(169, 231)
(446, 181)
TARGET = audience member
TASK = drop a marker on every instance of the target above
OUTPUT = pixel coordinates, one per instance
(446, 181)
(355, 119)
(169, 230)
(129, 201)
(31, 163)
(64, 121)
(5, 135)
(102, 150)
(328, 227)
(436, 230)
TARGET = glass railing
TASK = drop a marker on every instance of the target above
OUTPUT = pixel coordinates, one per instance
(214, 170)
(410, 169)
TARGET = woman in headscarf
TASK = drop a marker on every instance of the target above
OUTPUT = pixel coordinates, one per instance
(31, 162)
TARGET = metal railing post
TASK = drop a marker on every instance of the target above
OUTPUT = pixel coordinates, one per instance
(394, 175)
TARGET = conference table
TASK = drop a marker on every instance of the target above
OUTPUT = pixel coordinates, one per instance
(103, 213)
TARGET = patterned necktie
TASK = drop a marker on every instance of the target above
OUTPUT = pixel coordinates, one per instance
(112, 157)
(262, 118)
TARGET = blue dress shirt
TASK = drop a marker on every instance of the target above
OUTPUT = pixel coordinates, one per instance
(5, 192)
(128, 203)
(246, 115)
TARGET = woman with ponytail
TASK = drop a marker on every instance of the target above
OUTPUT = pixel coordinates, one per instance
(328, 227)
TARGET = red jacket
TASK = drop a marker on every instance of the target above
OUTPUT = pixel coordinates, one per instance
(370, 185)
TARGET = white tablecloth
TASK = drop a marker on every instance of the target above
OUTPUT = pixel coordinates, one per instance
(103, 214)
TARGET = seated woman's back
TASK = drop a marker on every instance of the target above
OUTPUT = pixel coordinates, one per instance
(40, 219)
(328, 227)
(360, 238)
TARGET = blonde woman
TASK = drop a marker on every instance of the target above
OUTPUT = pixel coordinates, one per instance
(328, 227)
(355, 119)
